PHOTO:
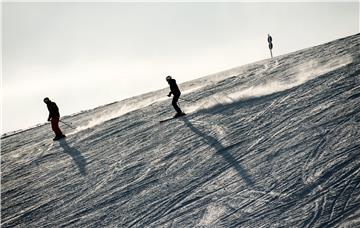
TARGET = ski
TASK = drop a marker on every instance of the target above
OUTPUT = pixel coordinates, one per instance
(171, 118)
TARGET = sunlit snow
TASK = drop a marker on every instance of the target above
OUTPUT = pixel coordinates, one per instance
(275, 143)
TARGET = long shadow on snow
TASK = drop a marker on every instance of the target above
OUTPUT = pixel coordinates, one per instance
(221, 150)
(76, 156)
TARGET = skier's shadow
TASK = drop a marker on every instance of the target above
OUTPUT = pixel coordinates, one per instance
(76, 156)
(221, 150)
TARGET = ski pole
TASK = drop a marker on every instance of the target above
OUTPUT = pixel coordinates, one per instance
(67, 124)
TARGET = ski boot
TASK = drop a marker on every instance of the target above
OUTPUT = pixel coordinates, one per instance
(59, 137)
(179, 114)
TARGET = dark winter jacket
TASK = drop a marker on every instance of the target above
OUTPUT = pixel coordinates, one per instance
(174, 88)
(53, 110)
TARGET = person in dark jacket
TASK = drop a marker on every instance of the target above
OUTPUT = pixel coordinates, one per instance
(175, 91)
(54, 117)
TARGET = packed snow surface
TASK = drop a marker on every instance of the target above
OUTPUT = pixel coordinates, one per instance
(275, 143)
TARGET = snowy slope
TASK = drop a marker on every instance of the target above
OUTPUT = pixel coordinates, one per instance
(270, 144)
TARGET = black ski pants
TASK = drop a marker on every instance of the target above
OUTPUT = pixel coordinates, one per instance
(174, 103)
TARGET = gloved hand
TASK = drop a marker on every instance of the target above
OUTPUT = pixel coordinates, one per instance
(169, 95)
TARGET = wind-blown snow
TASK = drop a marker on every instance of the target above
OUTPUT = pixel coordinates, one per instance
(126, 107)
(275, 143)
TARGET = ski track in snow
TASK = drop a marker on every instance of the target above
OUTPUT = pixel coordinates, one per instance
(270, 144)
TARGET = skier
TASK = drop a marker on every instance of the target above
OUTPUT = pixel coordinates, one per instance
(174, 89)
(54, 117)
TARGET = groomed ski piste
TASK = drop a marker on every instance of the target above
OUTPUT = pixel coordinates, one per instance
(275, 143)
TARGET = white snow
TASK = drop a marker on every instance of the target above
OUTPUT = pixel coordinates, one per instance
(275, 143)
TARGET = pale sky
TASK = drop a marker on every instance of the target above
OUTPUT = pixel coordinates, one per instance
(83, 55)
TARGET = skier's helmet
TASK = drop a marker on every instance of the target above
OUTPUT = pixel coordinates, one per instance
(168, 78)
(46, 99)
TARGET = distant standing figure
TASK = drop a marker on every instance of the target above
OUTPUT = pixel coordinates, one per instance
(54, 117)
(174, 89)
(270, 44)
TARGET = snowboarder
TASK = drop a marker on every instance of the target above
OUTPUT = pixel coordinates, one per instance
(174, 89)
(54, 117)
